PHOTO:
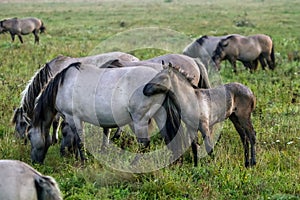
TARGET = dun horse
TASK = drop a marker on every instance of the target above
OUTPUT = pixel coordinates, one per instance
(247, 49)
(103, 97)
(19, 181)
(234, 101)
(24, 26)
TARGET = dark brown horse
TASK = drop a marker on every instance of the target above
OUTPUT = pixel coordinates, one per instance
(16, 26)
(247, 49)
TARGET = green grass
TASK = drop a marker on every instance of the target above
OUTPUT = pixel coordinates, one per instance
(77, 28)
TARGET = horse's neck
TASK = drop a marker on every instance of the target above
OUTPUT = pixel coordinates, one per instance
(218, 101)
(185, 93)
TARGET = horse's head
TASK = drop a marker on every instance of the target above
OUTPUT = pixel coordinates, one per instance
(38, 145)
(219, 53)
(161, 83)
(21, 122)
(2, 28)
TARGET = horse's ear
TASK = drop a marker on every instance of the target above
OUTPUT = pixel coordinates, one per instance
(163, 64)
(170, 67)
(225, 43)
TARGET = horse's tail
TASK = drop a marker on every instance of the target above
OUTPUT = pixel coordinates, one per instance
(42, 28)
(273, 57)
(47, 97)
(203, 81)
(173, 112)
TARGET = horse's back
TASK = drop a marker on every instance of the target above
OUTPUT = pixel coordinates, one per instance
(242, 94)
(19, 181)
(107, 90)
(185, 62)
(16, 181)
(29, 24)
(264, 41)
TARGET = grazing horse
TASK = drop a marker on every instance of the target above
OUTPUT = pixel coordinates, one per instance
(24, 26)
(203, 48)
(23, 115)
(234, 101)
(247, 49)
(20, 181)
(103, 97)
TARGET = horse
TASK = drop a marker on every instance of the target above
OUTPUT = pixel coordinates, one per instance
(24, 26)
(23, 114)
(233, 100)
(20, 181)
(84, 93)
(247, 49)
(189, 64)
(203, 48)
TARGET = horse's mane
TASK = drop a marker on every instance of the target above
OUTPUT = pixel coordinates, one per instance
(47, 97)
(34, 87)
(201, 39)
(229, 37)
(183, 73)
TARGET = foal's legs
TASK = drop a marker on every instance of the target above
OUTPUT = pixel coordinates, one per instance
(243, 137)
(206, 135)
(245, 129)
(251, 134)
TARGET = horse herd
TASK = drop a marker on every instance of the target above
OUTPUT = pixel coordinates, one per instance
(115, 89)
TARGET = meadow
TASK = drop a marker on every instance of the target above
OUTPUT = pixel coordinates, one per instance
(78, 28)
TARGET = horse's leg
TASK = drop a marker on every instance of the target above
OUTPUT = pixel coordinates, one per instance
(55, 129)
(77, 127)
(255, 64)
(262, 61)
(20, 38)
(206, 135)
(36, 37)
(117, 134)
(270, 62)
(195, 151)
(234, 119)
(106, 135)
(251, 134)
(233, 63)
(12, 37)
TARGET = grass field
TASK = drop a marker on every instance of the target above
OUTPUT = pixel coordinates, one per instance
(77, 28)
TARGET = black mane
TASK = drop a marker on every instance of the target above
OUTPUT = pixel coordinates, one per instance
(47, 98)
(201, 40)
(34, 88)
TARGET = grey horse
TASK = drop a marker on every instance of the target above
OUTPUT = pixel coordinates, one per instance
(19, 181)
(24, 26)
